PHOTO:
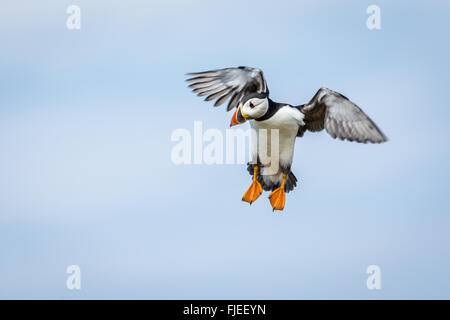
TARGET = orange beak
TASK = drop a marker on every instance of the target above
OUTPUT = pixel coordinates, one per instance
(234, 118)
(234, 121)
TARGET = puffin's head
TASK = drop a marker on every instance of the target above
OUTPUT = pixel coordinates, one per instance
(252, 106)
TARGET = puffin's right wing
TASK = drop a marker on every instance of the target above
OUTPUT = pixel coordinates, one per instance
(340, 117)
(222, 84)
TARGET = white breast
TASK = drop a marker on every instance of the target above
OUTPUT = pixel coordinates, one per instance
(287, 121)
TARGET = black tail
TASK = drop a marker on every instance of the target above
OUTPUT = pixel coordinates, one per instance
(291, 182)
(289, 185)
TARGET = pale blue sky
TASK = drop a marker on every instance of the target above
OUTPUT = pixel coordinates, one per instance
(86, 178)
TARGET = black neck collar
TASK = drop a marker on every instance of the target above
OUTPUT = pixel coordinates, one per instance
(273, 108)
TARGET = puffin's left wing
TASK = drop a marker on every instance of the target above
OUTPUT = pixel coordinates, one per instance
(222, 84)
(340, 117)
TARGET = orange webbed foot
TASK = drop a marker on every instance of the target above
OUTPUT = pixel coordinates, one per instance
(253, 192)
(278, 197)
(255, 189)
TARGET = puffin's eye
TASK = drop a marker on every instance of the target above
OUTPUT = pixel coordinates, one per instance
(251, 105)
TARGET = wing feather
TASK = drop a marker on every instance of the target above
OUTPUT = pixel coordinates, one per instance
(210, 90)
(216, 95)
(340, 117)
(223, 98)
(228, 83)
(234, 100)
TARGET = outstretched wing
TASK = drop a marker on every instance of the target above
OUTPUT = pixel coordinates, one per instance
(340, 117)
(228, 83)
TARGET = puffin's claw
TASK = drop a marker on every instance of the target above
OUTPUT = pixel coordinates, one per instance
(253, 192)
(278, 196)
(255, 189)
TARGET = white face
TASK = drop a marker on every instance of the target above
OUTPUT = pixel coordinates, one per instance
(255, 108)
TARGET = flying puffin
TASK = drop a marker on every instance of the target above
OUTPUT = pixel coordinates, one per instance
(247, 91)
